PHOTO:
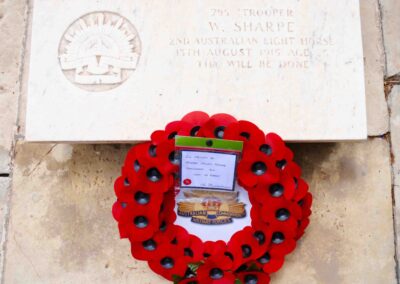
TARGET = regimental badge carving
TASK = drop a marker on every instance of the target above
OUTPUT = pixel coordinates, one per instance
(211, 207)
(99, 51)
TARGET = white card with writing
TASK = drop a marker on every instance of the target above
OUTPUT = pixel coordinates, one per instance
(116, 70)
(209, 170)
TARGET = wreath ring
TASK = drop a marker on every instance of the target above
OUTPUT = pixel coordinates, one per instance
(144, 210)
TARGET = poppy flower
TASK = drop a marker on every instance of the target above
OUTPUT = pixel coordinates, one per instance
(193, 249)
(123, 190)
(301, 189)
(148, 249)
(245, 245)
(285, 188)
(141, 152)
(182, 242)
(259, 226)
(131, 177)
(167, 214)
(149, 154)
(196, 119)
(217, 249)
(167, 218)
(167, 155)
(139, 225)
(256, 169)
(179, 127)
(215, 271)
(282, 239)
(253, 277)
(132, 164)
(292, 169)
(275, 148)
(117, 210)
(279, 211)
(151, 201)
(305, 205)
(270, 261)
(245, 131)
(215, 126)
(155, 178)
(167, 233)
(168, 262)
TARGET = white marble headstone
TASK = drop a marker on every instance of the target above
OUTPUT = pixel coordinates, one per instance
(115, 70)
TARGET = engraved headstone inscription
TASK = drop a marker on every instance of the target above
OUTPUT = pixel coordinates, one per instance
(114, 70)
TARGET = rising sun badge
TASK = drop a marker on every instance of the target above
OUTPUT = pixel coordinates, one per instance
(99, 51)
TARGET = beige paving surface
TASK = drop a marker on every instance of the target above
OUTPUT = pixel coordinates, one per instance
(377, 110)
(390, 10)
(394, 102)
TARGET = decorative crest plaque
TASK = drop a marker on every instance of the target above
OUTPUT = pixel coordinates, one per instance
(99, 51)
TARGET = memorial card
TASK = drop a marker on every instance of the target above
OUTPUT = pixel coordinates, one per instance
(113, 70)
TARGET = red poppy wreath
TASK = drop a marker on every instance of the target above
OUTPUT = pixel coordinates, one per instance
(145, 206)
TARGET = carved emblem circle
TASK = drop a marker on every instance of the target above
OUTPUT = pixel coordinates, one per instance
(99, 51)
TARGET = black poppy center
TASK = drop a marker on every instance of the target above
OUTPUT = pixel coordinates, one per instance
(152, 150)
(216, 273)
(265, 258)
(228, 254)
(188, 252)
(194, 131)
(172, 158)
(167, 262)
(296, 182)
(282, 214)
(241, 268)
(136, 166)
(142, 198)
(219, 132)
(246, 251)
(260, 237)
(250, 279)
(189, 273)
(141, 222)
(163, 226)
(172, 135)
(149, 245)
(278, 238)
(266, 149)
(245, 135)
(276, 190)
(154, 175)
(281, 164)
(259, 168)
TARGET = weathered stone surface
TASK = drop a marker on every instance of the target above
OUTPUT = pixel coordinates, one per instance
(391, 33)
(5, 187)
(61, 229)
(5, 160)
(350, 239)
(377, 111)
(394, 104)
(12, 32)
